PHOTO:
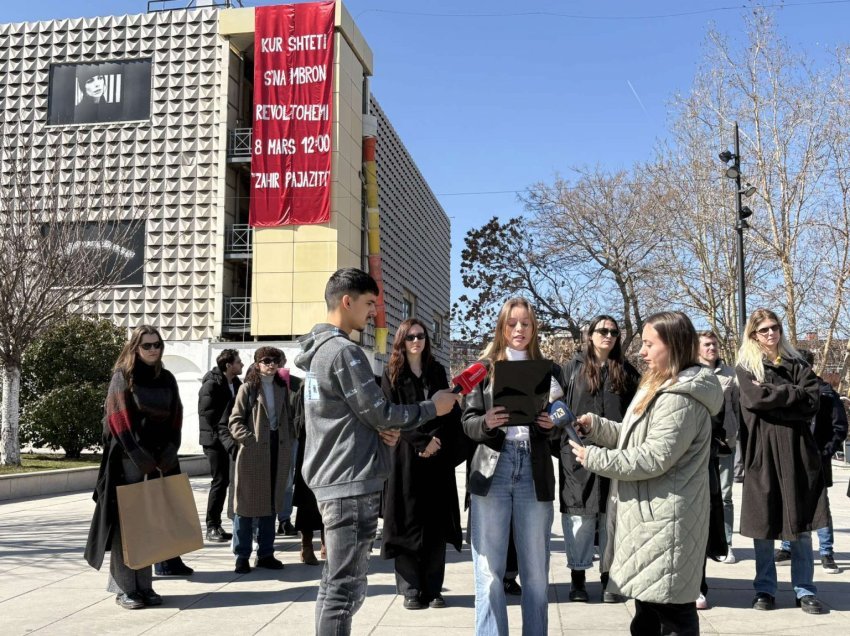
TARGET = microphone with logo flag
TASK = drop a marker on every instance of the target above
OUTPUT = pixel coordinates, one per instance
(469, 378)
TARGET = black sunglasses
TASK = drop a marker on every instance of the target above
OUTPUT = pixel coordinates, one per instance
(268, 361)
(766, 330)
(147, 346)
(414, 336)
(602, 331)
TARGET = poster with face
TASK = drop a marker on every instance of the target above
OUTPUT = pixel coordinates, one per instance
(99, 92)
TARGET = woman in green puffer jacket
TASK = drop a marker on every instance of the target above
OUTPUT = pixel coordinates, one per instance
(657, 459)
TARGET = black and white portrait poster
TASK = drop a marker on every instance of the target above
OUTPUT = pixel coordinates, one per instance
(99, 92)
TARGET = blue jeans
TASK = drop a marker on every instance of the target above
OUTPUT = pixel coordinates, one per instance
(350, 527)
(826, 537)
(286, 513)
(727, 472)
(580, 536)
(243, 535)
(511, 494)
(802, 566)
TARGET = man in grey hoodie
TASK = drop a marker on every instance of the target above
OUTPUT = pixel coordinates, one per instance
(350, 425)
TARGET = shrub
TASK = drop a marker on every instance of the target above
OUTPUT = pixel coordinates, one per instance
(64, 379)
(68, 417)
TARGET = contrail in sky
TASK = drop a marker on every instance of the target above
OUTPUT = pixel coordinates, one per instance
(637, 97)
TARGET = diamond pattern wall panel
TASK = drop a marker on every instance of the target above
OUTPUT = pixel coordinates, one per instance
(164, 170)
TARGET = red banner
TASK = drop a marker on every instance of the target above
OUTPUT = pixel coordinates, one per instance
(293, 92)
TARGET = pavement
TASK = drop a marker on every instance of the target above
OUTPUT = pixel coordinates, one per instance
(47, 588)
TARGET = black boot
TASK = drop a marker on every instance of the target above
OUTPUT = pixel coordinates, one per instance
(577, 592)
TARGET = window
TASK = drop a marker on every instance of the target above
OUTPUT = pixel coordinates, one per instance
(408, 305)
(437, 339)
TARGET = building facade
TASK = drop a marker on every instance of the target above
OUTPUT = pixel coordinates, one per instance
(167, 140)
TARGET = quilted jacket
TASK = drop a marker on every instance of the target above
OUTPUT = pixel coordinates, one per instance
(659, 497)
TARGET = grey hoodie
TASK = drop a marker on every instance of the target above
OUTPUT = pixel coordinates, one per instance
(344, 410)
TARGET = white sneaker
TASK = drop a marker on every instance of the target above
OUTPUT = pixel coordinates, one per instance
(702, 602)
(730, 557)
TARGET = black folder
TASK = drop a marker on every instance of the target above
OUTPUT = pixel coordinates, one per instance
(522, 387)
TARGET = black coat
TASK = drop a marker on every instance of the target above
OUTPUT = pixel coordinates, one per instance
(420, 497)
(584, 492)
(830, 427)
(105, 518)
(213, 400)
(783, 492)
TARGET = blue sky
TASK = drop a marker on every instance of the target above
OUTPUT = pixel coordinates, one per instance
(491, 97)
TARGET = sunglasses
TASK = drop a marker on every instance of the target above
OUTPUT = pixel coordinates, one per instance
(602, 331)
(414, 336)
(268, 361)
(147, 346)
(766, 330)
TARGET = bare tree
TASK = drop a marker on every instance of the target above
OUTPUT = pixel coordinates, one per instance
(601, 230)
(503, 259)
(60, 249)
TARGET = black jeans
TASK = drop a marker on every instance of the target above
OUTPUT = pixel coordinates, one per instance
(220, 473)
(673, 619)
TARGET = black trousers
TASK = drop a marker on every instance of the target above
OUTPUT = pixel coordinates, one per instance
(673, 619)
(220, 473)
(421, 574)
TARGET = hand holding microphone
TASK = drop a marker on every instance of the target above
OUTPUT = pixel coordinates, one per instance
(467, 380)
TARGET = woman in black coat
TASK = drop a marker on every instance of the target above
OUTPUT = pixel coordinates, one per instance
(600, 381)
(783, 494)
(142, 427)
(421, 513)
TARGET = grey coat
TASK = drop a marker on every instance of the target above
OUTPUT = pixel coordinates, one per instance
(253, 491)
(659, 497)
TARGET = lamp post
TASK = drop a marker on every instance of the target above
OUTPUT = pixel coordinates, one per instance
(742, 213)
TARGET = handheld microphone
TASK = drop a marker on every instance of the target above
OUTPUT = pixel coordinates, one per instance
(469, 378)
(564, 420)
(284, 374)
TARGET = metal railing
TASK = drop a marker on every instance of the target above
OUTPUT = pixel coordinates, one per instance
(237, 314)
(238, 240)
(171, 5)
(239, 144)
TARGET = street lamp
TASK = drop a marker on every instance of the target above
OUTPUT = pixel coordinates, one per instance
(743, 212)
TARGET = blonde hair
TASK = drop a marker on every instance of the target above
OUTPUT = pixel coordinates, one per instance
(677, 333)
(495, 351)
(751, 354)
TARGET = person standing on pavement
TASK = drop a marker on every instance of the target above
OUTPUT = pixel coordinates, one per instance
(511, 485)
(218, 389)
(261, 425)
(657, 459)
(709, 356)
(421, 513)
(783, 492)
(830, 431)
(601, 381)
(144, 417)
(350, 426)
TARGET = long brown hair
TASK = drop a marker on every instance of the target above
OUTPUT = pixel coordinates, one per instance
(127, 359)
(677, 333)
(495, 351)
(398, 358)
(616, 362)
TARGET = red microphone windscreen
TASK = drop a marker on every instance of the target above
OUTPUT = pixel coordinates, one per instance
(469, 378)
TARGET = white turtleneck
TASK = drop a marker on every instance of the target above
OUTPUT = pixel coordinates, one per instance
(516, 433)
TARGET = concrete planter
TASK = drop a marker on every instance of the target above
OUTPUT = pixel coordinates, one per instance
(52, 482)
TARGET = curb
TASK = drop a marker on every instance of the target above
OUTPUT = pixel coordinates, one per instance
(67, 480)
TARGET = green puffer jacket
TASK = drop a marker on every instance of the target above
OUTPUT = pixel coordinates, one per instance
(659, 496)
